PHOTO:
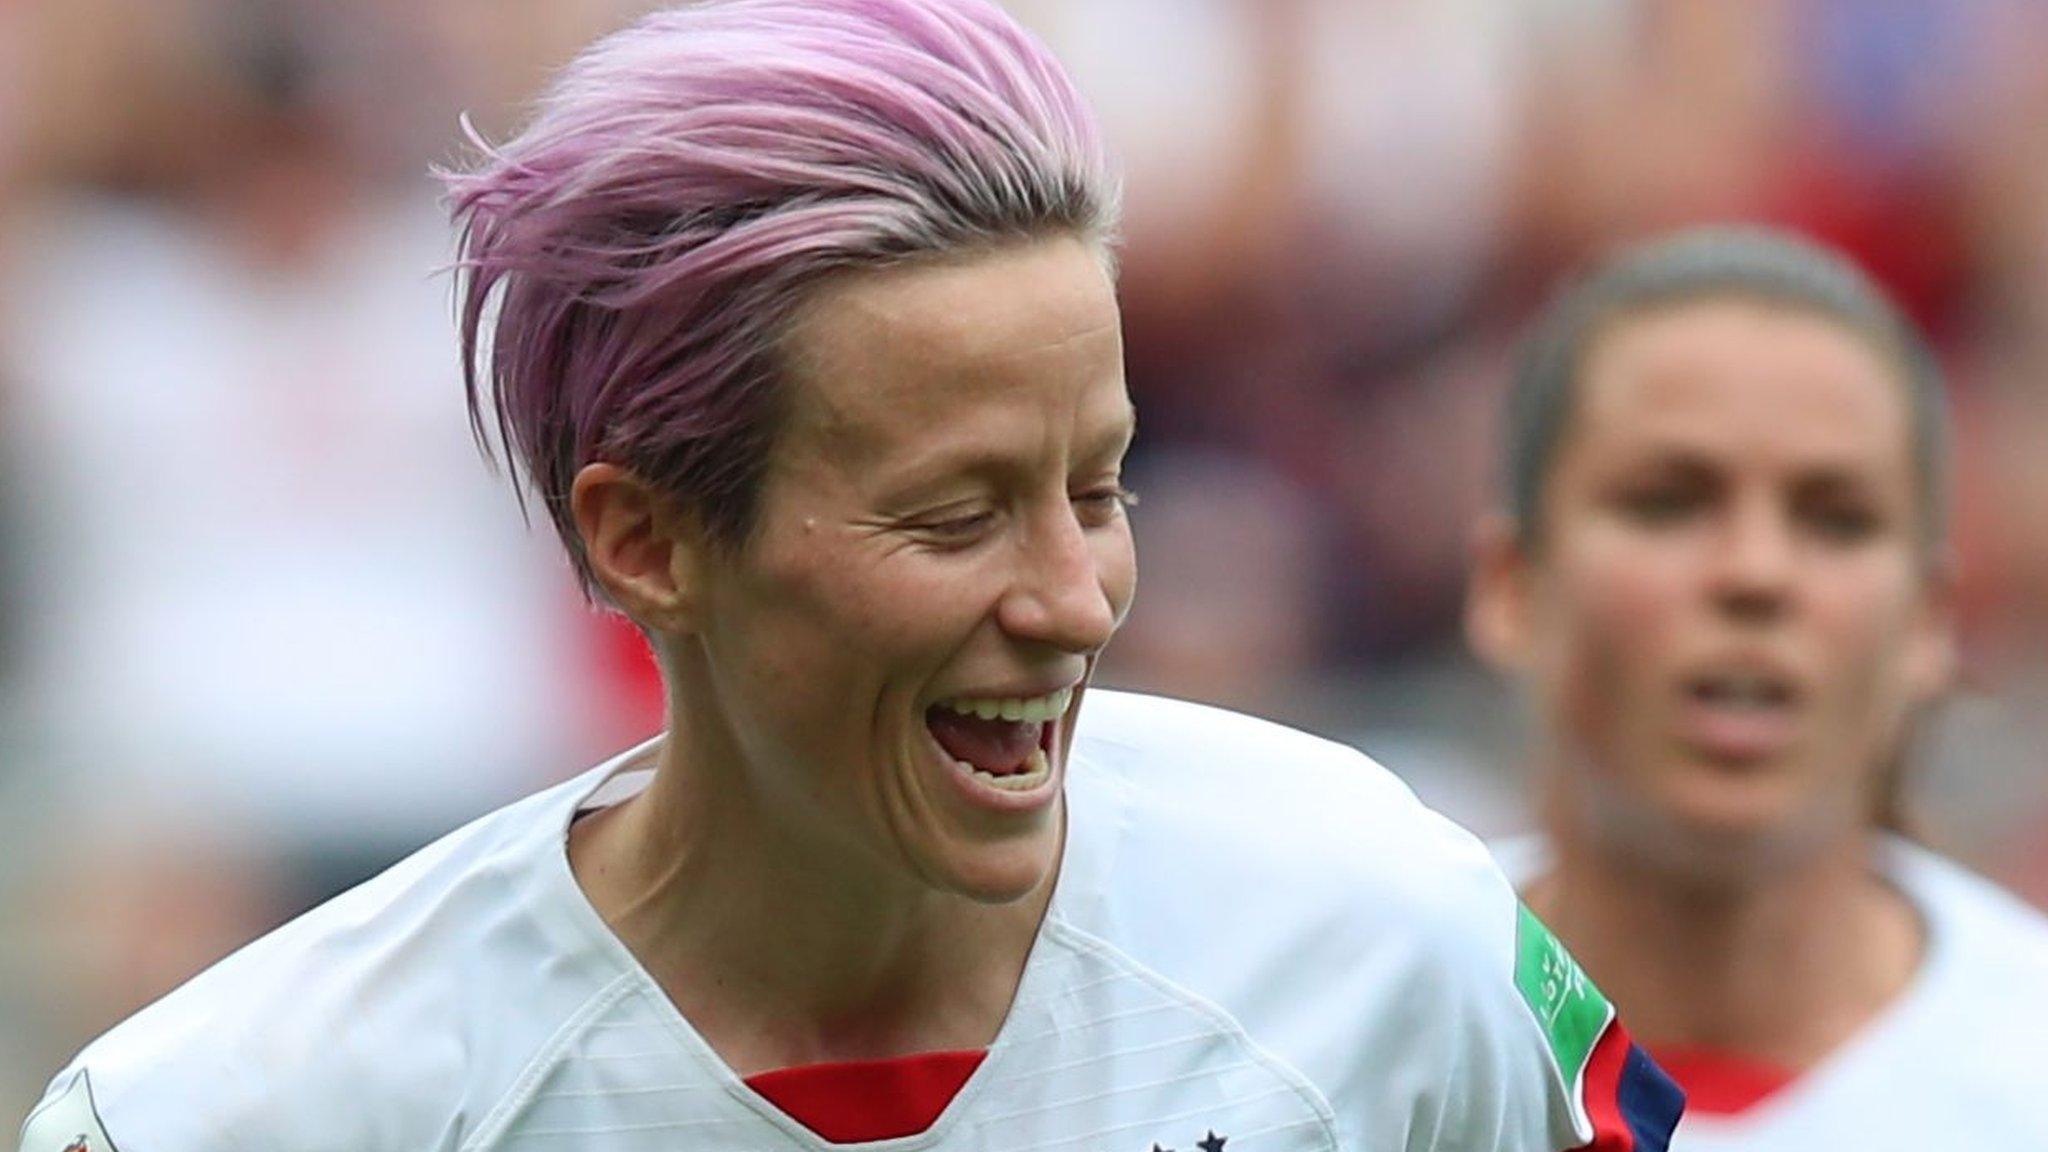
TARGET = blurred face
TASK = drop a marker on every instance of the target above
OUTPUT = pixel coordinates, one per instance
(900, 649)
(1729, 614)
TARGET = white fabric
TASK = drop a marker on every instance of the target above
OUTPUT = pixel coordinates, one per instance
(1959, 1061)
(1256, 934)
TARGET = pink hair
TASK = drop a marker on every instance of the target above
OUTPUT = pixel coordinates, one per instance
(685, 182)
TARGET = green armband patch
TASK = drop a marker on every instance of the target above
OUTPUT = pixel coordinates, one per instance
(1570, 1010)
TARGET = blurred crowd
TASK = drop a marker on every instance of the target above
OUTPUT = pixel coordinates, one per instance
(266, 620)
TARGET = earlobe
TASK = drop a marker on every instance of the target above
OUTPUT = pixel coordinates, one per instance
(643, 551)
(1496, 599)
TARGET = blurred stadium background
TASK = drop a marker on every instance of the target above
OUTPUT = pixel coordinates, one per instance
(266, 623)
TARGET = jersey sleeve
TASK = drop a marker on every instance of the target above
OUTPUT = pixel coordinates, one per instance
(1547, 1063)
(84, 1112)
(67, 1120)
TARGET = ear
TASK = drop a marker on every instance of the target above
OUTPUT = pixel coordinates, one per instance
(647, 554)
(1497, 597)
(1932, 659)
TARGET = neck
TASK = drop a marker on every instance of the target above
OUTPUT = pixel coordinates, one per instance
(1781, 968)
(782, 949)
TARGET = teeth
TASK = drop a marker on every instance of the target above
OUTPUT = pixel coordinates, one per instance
(1744, 691)
(1034, 708)
(1036, 769)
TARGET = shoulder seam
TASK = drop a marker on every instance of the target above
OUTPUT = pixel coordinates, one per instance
(528, 1081)
(1083, 941)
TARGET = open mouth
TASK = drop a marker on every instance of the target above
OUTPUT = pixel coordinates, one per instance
(1742, 691)
(1741, 715)
(1003, 742)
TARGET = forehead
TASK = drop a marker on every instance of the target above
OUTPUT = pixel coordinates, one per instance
(1738, 376)
(879, 357)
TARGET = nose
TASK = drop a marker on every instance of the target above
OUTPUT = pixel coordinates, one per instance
(1755, 561)
(1062, 594)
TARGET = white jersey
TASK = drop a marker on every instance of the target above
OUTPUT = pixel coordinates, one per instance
(1258, 940)
(1960, 1060)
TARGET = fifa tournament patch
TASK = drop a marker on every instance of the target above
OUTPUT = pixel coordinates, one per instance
(67, 1122)
(1570, 1010)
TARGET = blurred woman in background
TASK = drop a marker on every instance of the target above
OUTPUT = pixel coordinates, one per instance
(1722, 577)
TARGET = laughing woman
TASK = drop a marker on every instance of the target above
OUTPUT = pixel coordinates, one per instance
(1723, 577)
(798, 316)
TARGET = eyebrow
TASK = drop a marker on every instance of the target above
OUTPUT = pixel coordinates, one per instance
(1672, 456)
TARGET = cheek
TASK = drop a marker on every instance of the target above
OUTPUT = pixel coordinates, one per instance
(1864, 610)
(819, 629)
(1116, 562)
(1863, 622)
(1589, 675)
(1608, 625)
(903, 616)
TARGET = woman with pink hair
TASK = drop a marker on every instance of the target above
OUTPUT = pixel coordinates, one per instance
(798, 317)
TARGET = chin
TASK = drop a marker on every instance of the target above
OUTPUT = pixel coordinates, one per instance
(1728, 832)
(1002, 873)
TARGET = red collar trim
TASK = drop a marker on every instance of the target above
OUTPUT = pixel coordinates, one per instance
(855, 1102)
(1719, 1083)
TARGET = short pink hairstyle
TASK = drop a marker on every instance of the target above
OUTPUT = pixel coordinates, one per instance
(636, 252)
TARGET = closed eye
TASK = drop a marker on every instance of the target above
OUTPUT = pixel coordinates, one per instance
(1104, 505)
(954, 525)
(955, 530)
